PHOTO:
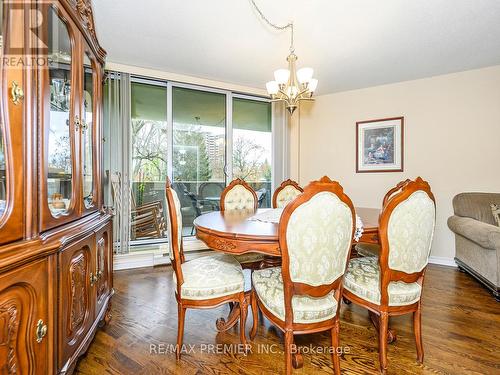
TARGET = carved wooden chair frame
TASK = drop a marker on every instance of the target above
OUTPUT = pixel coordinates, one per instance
(183, 303)
(235, 182)
(387, 275)
(296, 288)
(283, 185)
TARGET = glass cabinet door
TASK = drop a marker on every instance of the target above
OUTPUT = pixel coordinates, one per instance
(87, 126)
(12, 105)
(60, 143)
(60, 84)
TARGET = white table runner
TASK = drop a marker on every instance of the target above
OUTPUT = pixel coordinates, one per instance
(274, 215)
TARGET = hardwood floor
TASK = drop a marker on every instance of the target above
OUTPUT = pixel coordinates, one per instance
(461, 331)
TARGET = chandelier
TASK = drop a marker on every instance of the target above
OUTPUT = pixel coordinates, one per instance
(290, 85)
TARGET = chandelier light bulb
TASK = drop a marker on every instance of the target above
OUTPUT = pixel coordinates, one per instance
(304, 75)
(313, 83)
(272, 87)
(281, 76)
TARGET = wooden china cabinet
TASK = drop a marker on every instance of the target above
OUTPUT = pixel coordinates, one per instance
(56, 269)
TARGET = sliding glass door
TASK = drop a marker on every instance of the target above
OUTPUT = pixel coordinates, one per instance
(252, 146)
(149, 154)
(199, 151)
(201, 138)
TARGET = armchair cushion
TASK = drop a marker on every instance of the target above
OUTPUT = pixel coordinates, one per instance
(483, 234)
(363, 279)
(268, 285)
(495, 210)
(211, 276)
(476, 205)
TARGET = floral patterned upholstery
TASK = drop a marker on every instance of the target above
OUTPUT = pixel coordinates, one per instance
(249, 258)
(410, 231)
(268, 285)
(211, 276)
(363, 279)
(239, 198)
(318, 236)
(177, 205)
(368, 249)
(286, 195)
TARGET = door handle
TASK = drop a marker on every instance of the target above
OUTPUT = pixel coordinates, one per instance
(41, 330)
(17, 93)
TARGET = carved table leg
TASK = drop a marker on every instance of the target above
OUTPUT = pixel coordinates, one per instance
(391, 334)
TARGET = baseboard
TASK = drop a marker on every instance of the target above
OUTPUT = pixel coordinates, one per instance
(442, 261)
(149, 259)
(133, 260)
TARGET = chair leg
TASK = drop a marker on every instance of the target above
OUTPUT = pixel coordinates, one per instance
(417, 328)
(382, 340)
(288, 352)
(181, 314)
(255, 314)
(335, 344)
(243, 318)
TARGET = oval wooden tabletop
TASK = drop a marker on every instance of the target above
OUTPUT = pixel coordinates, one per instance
(232, 232)
(235, 224)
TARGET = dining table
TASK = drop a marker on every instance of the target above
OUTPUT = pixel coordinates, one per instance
(239, 232)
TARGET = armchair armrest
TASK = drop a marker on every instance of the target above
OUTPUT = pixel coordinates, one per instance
(485, 235)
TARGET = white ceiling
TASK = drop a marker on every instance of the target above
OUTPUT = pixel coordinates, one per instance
(349, 43)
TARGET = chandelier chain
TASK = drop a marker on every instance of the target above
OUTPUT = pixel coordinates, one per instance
(275, 26)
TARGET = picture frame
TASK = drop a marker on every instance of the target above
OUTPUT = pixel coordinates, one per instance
(380, 145)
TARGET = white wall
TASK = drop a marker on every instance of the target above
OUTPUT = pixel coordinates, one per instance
(452, 139)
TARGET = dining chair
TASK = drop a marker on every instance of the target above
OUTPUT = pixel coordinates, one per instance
(391, 284)
(285, 193)
(238, 195)
(204, 282)
(303, 296)
(368, 249)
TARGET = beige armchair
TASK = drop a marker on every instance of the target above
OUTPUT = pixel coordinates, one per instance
(477, 238)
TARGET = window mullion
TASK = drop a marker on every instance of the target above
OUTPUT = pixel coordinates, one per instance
(229, 137)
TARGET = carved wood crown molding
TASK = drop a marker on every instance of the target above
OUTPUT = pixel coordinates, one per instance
(86, 15)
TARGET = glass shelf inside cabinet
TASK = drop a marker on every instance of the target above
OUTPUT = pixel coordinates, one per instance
(59, 153)
(87, 133)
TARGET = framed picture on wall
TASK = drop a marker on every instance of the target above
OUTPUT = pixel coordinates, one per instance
(379, 145)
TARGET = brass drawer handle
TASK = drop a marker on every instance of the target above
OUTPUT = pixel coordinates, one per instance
(41, 331)
(17, 93)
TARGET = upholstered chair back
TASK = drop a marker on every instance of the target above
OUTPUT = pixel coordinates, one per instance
(407, 228)
(285, 193)
(315, 236)
(174, 230)
(394, 190)
(238, 195)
